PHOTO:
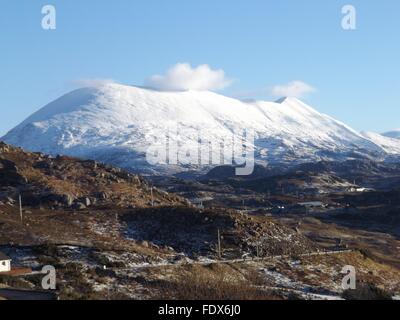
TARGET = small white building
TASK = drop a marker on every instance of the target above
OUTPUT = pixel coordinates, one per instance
(5, 263)
(312, 204)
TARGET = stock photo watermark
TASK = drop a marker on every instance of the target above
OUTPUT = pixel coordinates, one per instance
(349, 280)
(348, 22)
(49, 20)
(349, 19)
(49, 281)
(199, 147)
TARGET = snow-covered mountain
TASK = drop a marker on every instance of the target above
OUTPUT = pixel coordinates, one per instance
(393, 134)
(390, 145)
(116, 124)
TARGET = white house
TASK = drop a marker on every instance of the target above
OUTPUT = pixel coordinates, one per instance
(5, 263)
(312, 204)
(359, 189)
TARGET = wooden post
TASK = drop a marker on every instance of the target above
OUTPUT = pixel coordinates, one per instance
(152, 199)
(132, 185)
(20, 207)
(262, 252)
(219, 245)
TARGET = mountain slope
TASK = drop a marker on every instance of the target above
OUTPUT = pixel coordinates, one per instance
(390, 145)
(117, 124)
(65, 182)
(392, 134)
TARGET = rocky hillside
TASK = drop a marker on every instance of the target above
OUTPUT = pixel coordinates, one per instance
(110, 235)
(64, 182)
(57, 188)
(195, 232)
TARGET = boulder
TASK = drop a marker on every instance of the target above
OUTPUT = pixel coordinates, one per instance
(42, 165)
(145, 243)
(4, 147)
(67, 200)
(10, 201)
(86, 201)
(9, 175)
(100, 195)
(78, 206)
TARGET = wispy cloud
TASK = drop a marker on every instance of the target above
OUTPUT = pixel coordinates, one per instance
(293, 89)
(296, 89)
(183, 77)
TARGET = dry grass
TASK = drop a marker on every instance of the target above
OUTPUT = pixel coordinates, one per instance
(367, 292)
(213, 283)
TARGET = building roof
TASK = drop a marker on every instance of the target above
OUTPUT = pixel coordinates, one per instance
(311, 203)
(4, 257)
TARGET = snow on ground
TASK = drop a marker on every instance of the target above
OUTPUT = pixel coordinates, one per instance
(24, 257)
(390, 145)
(283, 283)
(392, 134)
(281, 280)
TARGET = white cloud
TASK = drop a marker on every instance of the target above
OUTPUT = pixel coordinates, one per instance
(183, 77)
(293, 89)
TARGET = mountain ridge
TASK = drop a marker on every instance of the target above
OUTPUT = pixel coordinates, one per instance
(392, 134)
(117, 124)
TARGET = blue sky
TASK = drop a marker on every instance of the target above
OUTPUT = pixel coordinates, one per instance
(258, 43)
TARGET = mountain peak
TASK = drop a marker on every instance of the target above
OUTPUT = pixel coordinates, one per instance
(281, 100)
(117, 124)
(288, 100)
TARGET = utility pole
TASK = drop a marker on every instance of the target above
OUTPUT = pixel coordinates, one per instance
(262, 252)
(132, 193)
(219, 245)
(20, 207)
(152, 199)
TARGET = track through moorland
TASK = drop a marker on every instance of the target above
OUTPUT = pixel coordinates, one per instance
(229, 261)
